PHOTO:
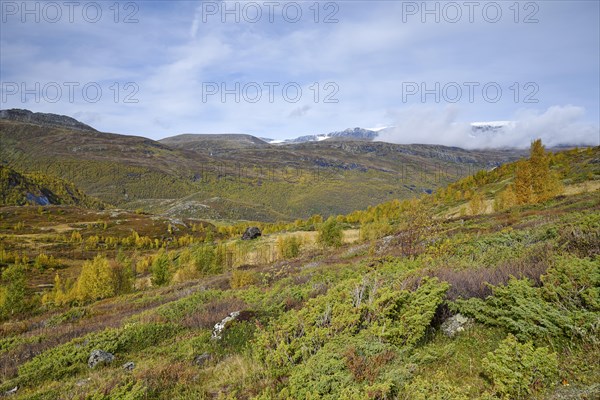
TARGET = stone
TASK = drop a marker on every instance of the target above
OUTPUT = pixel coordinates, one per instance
(251, 233)
(129, 366)
(83, 382)
(100, 357)
(11, 391)
(202, 359)
(455, 324)
(220, 326)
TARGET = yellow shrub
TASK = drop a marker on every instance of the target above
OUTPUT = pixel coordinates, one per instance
(240, 279)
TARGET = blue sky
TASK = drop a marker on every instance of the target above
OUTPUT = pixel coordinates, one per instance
(166, 68)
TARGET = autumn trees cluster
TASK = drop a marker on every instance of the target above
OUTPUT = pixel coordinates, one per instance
(534, 181)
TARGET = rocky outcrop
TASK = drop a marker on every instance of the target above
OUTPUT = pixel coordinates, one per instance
(100, 357)
(251, 233)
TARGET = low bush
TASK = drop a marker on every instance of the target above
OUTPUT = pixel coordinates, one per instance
(517, 370)
(70, 358)
(241, 278)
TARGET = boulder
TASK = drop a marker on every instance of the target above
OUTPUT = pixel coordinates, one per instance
(220, 326)
(455, 324)
(251, 233)
(129, 366)
(100, 357)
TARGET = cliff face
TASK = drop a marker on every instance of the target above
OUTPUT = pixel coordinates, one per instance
(50, 120)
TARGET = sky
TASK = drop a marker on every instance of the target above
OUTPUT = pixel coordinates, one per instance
(285, 69)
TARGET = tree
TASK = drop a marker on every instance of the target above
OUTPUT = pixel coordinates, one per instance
(534, 181)
(96, 280)
(477, 204)
(505, 199)
(161, 271)
(523, 190)
(330, 233)
(12, 295)
(416, 222)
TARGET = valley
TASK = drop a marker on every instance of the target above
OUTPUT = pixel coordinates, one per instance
(485, 288)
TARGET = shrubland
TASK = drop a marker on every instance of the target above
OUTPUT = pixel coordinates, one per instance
(322, 315)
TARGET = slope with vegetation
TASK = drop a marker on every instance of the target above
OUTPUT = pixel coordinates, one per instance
(355, 306)
(40, 189)
(233, 176)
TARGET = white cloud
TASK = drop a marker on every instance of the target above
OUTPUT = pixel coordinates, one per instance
(556, 125)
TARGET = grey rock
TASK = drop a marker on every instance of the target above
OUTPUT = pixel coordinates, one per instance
(251, 233)
(129, 366)
(202, 359)
(83, 382)
(455, 324)
(220, 326)
(100, 357)
(11, 391)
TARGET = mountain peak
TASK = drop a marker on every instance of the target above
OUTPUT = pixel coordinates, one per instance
(53, 120)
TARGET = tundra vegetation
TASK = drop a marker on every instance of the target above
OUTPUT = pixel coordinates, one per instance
(334, 307)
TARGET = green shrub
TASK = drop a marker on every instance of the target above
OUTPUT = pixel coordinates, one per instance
(128, 390)
(519, 308)
(288, 247)
(345, 368)
(581, 235)
(562, 310)
(573, 283)
(436, 387)
(12, 293)
(394, 316)
(517, 370)
(330, 233)
(70, 358)
(161, 269)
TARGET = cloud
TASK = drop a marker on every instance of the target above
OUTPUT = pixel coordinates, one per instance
(555, 126)
(300, 111)
(369, 53)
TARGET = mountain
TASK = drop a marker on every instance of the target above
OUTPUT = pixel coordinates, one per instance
(234, 176)
(214, 143)
(350, 133)
(42, 119)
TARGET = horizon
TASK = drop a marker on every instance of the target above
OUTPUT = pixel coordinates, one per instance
(291, 140)
(426, 68)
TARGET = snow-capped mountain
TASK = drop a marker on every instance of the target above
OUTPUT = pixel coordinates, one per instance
(350, 133)
(371, 134)
(490, 127)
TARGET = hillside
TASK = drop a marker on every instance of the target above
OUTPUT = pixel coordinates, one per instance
(39, 189)
(236, 176)
(400, 300)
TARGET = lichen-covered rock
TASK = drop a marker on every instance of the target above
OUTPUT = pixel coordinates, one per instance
(220, 326)
(100, 357)
(129, 366)
(455, 324)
